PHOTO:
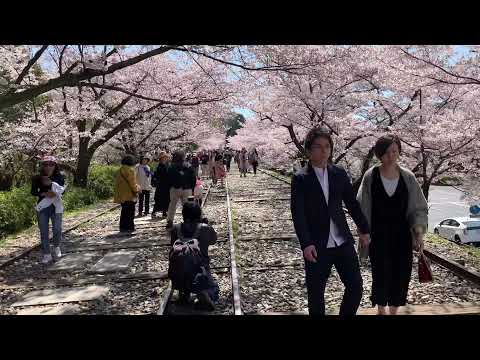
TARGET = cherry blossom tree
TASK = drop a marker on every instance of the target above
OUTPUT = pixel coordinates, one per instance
(138, 98)
(365, 93)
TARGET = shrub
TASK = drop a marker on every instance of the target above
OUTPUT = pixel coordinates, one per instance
(76, 197)
(101, 180)
(17, 210)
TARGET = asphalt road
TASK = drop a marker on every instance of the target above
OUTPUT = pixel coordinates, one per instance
(445, 202)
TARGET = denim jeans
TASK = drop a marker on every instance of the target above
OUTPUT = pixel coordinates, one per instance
(43, 218)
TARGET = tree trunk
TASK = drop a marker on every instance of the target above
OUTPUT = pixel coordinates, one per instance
(83, 163)
(6, 182)
(365, 166)
(425, 189)
(295, 140)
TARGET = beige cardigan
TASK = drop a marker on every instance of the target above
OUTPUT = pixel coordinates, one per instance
(417, 210)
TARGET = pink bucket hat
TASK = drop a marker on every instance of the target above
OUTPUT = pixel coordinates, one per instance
(49, 158)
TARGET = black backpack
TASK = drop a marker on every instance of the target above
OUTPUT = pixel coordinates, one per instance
(185, 260)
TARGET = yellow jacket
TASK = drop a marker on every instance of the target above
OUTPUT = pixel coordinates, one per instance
(126, 187)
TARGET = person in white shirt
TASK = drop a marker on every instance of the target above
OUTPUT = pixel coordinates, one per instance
(318, 191)
(144, 180)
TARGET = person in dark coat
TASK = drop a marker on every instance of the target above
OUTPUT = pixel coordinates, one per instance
(397, 211)
(317, 194)
(181, 180)
(162, 186)
(205, 286)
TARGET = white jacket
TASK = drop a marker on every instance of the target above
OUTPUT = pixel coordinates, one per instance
(56, 201)
(143, 180)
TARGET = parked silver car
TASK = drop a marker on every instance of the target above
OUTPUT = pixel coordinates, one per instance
(462, 230)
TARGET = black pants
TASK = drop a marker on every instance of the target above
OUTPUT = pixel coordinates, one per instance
(127, 215)
(228, 162)
(255, 165)
(345, 260)
(203, 281)
(145, 194)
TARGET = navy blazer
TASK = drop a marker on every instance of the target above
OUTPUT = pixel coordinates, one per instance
(310, 213)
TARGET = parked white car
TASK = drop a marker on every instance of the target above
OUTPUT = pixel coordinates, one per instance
(463, 230)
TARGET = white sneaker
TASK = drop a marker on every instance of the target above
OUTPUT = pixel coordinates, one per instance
(58, 252)
(46, 258)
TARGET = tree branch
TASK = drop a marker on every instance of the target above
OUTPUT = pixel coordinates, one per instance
(294, 138)
(71, 80)
(32, 62)
(161, 101)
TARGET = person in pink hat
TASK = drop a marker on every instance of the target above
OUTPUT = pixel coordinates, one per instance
(49, 184)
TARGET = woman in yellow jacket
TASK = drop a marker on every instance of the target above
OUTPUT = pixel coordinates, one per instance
(126, 190)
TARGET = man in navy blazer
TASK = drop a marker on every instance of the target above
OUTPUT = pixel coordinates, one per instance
(318, 191)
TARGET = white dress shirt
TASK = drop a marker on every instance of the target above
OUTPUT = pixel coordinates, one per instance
(334, 238)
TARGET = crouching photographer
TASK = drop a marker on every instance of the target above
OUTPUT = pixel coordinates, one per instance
(189, 264)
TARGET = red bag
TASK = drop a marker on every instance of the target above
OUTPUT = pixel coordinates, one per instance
(424, 271)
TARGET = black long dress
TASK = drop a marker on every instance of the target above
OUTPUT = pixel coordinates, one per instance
(162, 189)
(391, 253)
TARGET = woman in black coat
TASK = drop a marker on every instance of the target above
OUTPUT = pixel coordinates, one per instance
(162, 186)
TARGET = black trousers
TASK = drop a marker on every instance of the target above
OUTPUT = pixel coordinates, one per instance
(127, 215)
(255, 165)
(145, 194)
(345, 260)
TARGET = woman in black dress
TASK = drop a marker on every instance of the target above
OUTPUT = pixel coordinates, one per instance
(162, 187)
(394, 204)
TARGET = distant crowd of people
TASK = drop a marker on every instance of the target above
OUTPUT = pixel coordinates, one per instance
(179, 178)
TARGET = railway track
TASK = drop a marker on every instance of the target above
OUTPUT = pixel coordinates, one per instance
(216, 207)
(271, 264)
(26, 252)
(134, 282)
(257, 262)
(451, 265)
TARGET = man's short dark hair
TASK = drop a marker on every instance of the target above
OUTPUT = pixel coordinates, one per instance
(191, 211)
(178, 157)
(128, 160)
(384, 142)
(316, 133)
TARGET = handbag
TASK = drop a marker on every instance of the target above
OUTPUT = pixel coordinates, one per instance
(135, 193)
(424, 270)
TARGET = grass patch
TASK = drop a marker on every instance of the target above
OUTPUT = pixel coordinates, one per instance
(278, 174)
(436, 240)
